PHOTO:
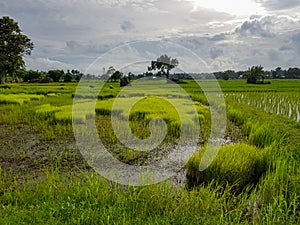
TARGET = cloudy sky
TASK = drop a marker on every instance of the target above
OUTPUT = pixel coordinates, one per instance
(225, 34)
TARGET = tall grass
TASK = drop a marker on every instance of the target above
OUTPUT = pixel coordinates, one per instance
(237, 165)
(88, 199)
(263, 135)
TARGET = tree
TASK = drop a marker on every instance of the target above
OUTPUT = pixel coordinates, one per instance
(111, 70)
(117, 75)
(68, 77)
(278, 73)
(55, 75)
(13, 45)
(130, 75)
(163, 64)
(33, 76)
(293, 73)
(76, 74)
(255, 73)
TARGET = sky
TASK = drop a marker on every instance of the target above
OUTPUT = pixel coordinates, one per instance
(221, 34)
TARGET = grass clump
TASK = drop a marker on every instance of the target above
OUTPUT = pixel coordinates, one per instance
(263, 135)
(64, 113)
(236, 165)
(18, 99)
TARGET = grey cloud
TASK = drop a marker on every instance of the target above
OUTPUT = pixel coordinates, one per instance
(256, 52)
(218, 37)
(77, 32)
(254, 27)
(273, 55)
(265, 40)
(285, 48)
(126, 26)
(72, 44)
(295, 41)
(2, 7)
(279, 4)
(215, 52)
(296, 37)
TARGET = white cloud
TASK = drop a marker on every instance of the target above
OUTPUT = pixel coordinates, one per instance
(45, 64)
(74, 33)
(268, 26)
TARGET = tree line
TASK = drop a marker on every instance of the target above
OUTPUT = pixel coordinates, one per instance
(278, 73)
(33, 76)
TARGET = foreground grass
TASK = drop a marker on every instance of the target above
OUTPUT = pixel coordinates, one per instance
(92, 200)
(59, 191)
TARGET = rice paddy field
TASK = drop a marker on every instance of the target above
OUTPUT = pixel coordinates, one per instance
(253, 179)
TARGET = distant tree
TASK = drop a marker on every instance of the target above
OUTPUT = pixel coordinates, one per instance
(124, 81)
(130, 76)
(163, 64)
(109, 72)
(230, 74)
(117, 75)
(278, 73)
(68, 77)
(76, 74)
(293, 73)
(33, 76)
(254, 73)
(55, 75)
(13, 45)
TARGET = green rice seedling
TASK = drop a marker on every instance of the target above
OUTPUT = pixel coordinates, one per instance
(52, 95)
(236, 165)
(236, 116)
(280, 103)
(280, 211)
(64, 113)
(18, 98)
(200, 98)
(263, 135)
(148, 108)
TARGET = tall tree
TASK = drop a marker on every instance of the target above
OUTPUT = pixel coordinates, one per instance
(13, 45)
(163, 64)
(254, 73)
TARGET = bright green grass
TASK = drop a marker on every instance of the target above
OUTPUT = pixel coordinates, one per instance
(18, 98)
(171, 110)
(237, 165)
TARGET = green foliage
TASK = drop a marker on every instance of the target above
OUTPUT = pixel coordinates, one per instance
(117, 75)
(68, 77)
(33, 76)
(236, 165)
(13, 44)
(263, 136)
(163, 64)
(55, 75)
(254, 73)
